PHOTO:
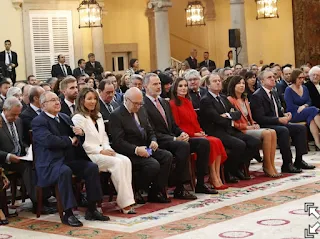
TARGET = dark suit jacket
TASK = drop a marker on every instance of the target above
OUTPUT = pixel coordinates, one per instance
(227, 63)
(192, 63)
(65, 108)
(281, 87)
(24, 106)
(164, 133)
(97, 69)
(196, 101)
(125, 133)
(50, 146)
(211, 66)
(27, 116)
(262, 108)
(211, 121)
(314, 94)
(77, 72)
(6, 145)
(56, 71)
(14, 60)
(104, 111)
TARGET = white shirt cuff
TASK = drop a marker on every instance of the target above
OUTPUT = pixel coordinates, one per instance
(8, 159)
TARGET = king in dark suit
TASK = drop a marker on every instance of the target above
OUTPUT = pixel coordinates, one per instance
(266, 111)
(9, 61)
(61, 69)
(217, 116)
(59, 154)
(133, 136)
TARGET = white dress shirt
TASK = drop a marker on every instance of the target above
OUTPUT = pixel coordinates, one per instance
(7, 60)
(274, 100)
(69, 104)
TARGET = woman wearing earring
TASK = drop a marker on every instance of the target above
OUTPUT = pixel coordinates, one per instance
(186, 118)
(96, 145)
(237, 97)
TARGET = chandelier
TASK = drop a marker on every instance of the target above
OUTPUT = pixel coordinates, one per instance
(195, 14)
(267, 9)
(90, 14)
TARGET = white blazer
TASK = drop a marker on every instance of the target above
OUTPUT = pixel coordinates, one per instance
(95, 140)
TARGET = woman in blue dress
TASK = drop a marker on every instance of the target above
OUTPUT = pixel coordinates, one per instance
(299, 104)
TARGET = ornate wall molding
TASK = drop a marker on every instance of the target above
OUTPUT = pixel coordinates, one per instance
(159, 5)
(17, 4)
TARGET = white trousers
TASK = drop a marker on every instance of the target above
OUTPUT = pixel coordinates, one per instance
(121, 175)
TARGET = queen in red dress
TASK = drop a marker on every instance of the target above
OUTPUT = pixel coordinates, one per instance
(186, 118)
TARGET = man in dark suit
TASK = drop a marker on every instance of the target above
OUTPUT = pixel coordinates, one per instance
(173, 139)
(196, 92)
(211, 65)
(93, 67)
(12, 147)
(217, 116)
(192, 59)
(313, 86)
(4, 87)
(9, 61)
(283, 84)
(266, 111)
(32, 110)
(61, 69)
(69, 89)
(80, 70)
(59, 154)
(133, 136)
(25, 96)
(107, 102)
(118, 97)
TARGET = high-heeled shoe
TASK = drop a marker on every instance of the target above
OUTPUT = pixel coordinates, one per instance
(222, 187)
(130, 211)
(269, 175)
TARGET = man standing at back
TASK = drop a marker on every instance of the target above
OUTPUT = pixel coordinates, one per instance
(9, 60)
(192, 59)
(69, 89)
(59, 154)
(211, 65)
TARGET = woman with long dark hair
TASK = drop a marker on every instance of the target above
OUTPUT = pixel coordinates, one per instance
(186, 118)
(98, 149)
(247, 125)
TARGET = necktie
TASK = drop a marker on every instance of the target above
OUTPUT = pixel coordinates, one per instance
(109, 108)
(73, 108)
(57, 119)
(63, 70)
(39, 111)
(15, 139)
(163, 114)
(207, 63)
(81, 70)
(9, 57)
(198, 95)
(141, 129)
(220, 101)
(274, 104)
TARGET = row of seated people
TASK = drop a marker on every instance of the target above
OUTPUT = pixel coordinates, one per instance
(217, 115)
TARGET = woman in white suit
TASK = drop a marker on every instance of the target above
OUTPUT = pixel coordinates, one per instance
(96, 145)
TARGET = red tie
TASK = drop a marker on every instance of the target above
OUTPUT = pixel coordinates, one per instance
(159, 107)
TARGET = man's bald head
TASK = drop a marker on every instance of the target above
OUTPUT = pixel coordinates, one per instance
(133, 99)
(287, 73)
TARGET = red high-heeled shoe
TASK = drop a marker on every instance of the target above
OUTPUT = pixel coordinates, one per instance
(222, 187)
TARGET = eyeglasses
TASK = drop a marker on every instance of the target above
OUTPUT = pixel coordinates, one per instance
(138, 104)
(301, 77)
(193, 79)
(53, 100)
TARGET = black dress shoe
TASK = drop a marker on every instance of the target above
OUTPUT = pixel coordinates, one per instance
(71, 221)
(290, 169)
(205, 189)
(303, 165)
(95, 216)
(182, 193)
(158, 198)
(138, 198)
(4, 222)
(241, 176)
(230, 178)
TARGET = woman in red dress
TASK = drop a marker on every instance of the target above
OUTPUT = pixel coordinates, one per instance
(186, 118)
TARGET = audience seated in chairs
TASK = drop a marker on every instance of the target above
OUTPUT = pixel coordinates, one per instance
(173, 139)
(248, 126)
(133, 136)
(186, 118)
(217, 119)
(59, 154)
(266, 111)
(96, 144)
